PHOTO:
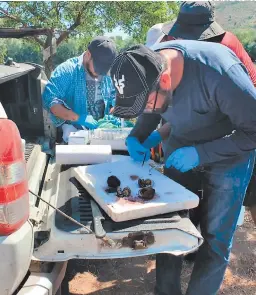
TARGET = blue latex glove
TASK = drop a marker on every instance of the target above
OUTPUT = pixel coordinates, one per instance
(114, 120)
(153, 140)
(136, 150)
(183, 159)
(87, 121)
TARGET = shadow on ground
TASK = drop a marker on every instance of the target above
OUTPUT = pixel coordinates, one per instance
(119, 276)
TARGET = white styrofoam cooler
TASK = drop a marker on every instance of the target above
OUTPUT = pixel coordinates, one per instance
(113, 137)
(170, 196)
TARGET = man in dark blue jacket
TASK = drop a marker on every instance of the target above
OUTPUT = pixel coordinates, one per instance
(205, 93)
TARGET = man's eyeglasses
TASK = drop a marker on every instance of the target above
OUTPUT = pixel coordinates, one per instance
(156, 96)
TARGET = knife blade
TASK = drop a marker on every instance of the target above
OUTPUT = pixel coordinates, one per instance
(98, 228)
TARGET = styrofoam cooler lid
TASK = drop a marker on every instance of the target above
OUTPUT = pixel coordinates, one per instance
(170, 196)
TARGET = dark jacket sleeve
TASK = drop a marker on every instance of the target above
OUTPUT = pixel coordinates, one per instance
(236, 97)
(145, 125)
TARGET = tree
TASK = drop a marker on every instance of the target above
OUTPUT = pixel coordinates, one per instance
(3, 48)
(3, 51)
(123, 43)
(246, 36)
(22, 51)
(248, 39)
(251, 48)
(86, 19)
(66, 50)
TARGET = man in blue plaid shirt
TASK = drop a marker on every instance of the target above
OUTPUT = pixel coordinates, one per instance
(79, 92)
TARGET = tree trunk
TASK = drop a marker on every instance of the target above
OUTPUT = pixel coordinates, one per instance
(48, 64)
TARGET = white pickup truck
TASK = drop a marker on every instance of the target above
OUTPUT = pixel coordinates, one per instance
(36, 241)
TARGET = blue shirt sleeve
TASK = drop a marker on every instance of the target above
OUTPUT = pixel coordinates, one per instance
(58, 85)
(109, 94)
(235, 95)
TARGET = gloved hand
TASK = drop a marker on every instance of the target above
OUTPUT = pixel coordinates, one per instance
(183, 159)
(87, 121)
(136, 150)
(112, 119)
(153, 140)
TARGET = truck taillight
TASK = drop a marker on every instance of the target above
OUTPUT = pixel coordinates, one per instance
(14, 196)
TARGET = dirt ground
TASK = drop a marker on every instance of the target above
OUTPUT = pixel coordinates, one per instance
(136, 276)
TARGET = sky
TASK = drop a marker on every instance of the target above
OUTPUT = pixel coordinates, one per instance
(116, 32)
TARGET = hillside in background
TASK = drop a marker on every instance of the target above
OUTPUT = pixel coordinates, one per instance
(233, 15)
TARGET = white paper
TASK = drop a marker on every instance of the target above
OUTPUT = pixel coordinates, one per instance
(83, 154)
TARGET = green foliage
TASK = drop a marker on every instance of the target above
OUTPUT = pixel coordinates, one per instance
(88, 18)
(84, 20)
(3, 51)
(246, 36)
(67, 50)
(135, 18)
(122, 44)
(23, 51)
(251, 48)
(248, 39)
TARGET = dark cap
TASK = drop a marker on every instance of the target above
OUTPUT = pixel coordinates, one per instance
(195, 21)
(103, 51)
(134, 73)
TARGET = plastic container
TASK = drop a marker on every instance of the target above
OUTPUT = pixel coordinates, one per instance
(113, 137)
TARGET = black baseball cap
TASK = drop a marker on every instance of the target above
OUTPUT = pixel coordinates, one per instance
(135, 72)
(103, 51)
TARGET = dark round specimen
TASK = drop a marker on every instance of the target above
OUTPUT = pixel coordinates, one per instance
(147, 193)
(119, 192)
(127, 192)
(113, 181)
(144, 182)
